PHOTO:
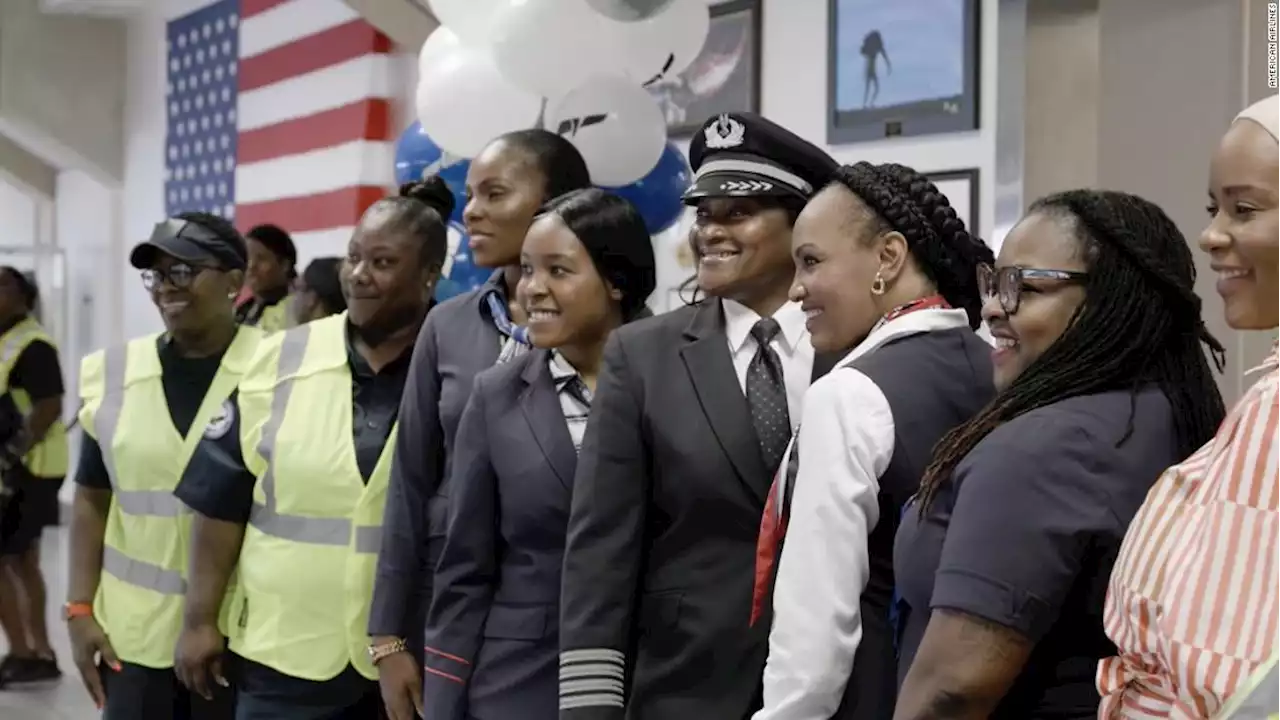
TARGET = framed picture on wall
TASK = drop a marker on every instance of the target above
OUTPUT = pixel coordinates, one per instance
(725, 77)
(898, 68)
(961, 189)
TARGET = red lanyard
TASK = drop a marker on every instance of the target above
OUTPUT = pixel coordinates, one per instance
(925, 303)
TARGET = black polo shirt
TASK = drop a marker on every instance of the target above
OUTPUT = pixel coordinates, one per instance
(217, 484)
(186, 380)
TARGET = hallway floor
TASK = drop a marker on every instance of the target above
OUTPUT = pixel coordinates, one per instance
(63, 699)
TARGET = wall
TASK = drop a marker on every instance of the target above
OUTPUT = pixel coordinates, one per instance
(56, 71)
(17, 216)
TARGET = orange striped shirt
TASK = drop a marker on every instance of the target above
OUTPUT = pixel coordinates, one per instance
(1192, 601)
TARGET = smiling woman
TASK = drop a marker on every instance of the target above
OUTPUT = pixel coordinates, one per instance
(394, 258)
(350, 369)
(142, 403)
(586, 267)
(1190, 634)
(1002, 561)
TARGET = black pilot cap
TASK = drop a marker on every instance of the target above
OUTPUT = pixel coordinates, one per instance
(191, 242)
(743, 155)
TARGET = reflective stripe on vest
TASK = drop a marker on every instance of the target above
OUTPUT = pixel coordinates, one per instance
(156, 503)
(265, 517)
(142, 574)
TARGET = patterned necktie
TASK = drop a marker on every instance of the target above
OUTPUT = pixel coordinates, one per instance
(767, 395)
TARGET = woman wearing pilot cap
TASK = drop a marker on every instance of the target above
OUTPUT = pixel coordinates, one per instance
(692, 411)
(144, 405)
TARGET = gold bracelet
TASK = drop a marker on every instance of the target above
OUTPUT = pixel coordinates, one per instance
(378, 652)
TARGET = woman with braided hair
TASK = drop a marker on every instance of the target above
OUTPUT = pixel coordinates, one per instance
(883, 266)
(1003, 558)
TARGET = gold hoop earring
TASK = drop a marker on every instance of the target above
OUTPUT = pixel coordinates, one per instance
(877, 286)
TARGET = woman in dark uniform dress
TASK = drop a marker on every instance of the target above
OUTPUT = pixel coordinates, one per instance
(492, 632)
(693, 411)
(1003, 559)
(506, 184)
(884, 264)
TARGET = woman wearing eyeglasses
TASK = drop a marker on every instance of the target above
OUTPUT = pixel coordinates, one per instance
(1002, 559)
(145, 405)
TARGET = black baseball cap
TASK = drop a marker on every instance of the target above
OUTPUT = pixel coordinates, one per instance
(191, 242)
(743, 154)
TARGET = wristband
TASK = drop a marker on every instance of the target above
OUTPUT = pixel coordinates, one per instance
(73, 610)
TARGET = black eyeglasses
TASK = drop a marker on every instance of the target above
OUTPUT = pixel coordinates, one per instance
(1006, 283)
(179, 275)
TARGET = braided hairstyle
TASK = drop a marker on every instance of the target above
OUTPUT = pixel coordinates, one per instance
(906, 201)
(421, 210)
(1139, 324)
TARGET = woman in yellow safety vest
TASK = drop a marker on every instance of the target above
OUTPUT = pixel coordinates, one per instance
(145, 404)
(269, 278)
(33, 463)
(291, 497)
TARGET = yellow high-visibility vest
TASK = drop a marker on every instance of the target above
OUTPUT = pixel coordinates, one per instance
(275, 318)
(48, 458)
(144, 555)
(307, 563)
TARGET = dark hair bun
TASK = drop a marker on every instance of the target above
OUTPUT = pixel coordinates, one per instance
(432, 192)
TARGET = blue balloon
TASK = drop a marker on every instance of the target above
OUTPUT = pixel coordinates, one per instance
(418, 156)
(657, 195)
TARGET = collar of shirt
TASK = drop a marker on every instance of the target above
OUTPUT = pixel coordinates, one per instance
(567, 379)
(739, 319)
(1271, 363)
(561, 370)
(360, 367)
(493, 285)
(493, 306)
(912, 323)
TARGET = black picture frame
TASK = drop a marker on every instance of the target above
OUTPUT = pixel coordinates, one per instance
(945, 181)
(957, 113)
(685, 114)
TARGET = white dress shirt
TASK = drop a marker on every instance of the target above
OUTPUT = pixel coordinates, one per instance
(845, 445)
(791, 344)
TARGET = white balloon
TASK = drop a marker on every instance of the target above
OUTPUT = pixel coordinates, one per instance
(440, 45)
(463, 102)
(616, 126)
(682, 31)
(469, 19)
(665, 44)
(549, 47)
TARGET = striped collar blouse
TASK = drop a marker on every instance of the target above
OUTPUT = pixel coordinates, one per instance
(1192, 601)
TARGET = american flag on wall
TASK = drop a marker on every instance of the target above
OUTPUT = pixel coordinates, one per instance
(279, 111)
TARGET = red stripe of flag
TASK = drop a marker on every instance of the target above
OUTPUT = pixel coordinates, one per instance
(362, 120)
(326, 48)
(338, 208)
(249, 8)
